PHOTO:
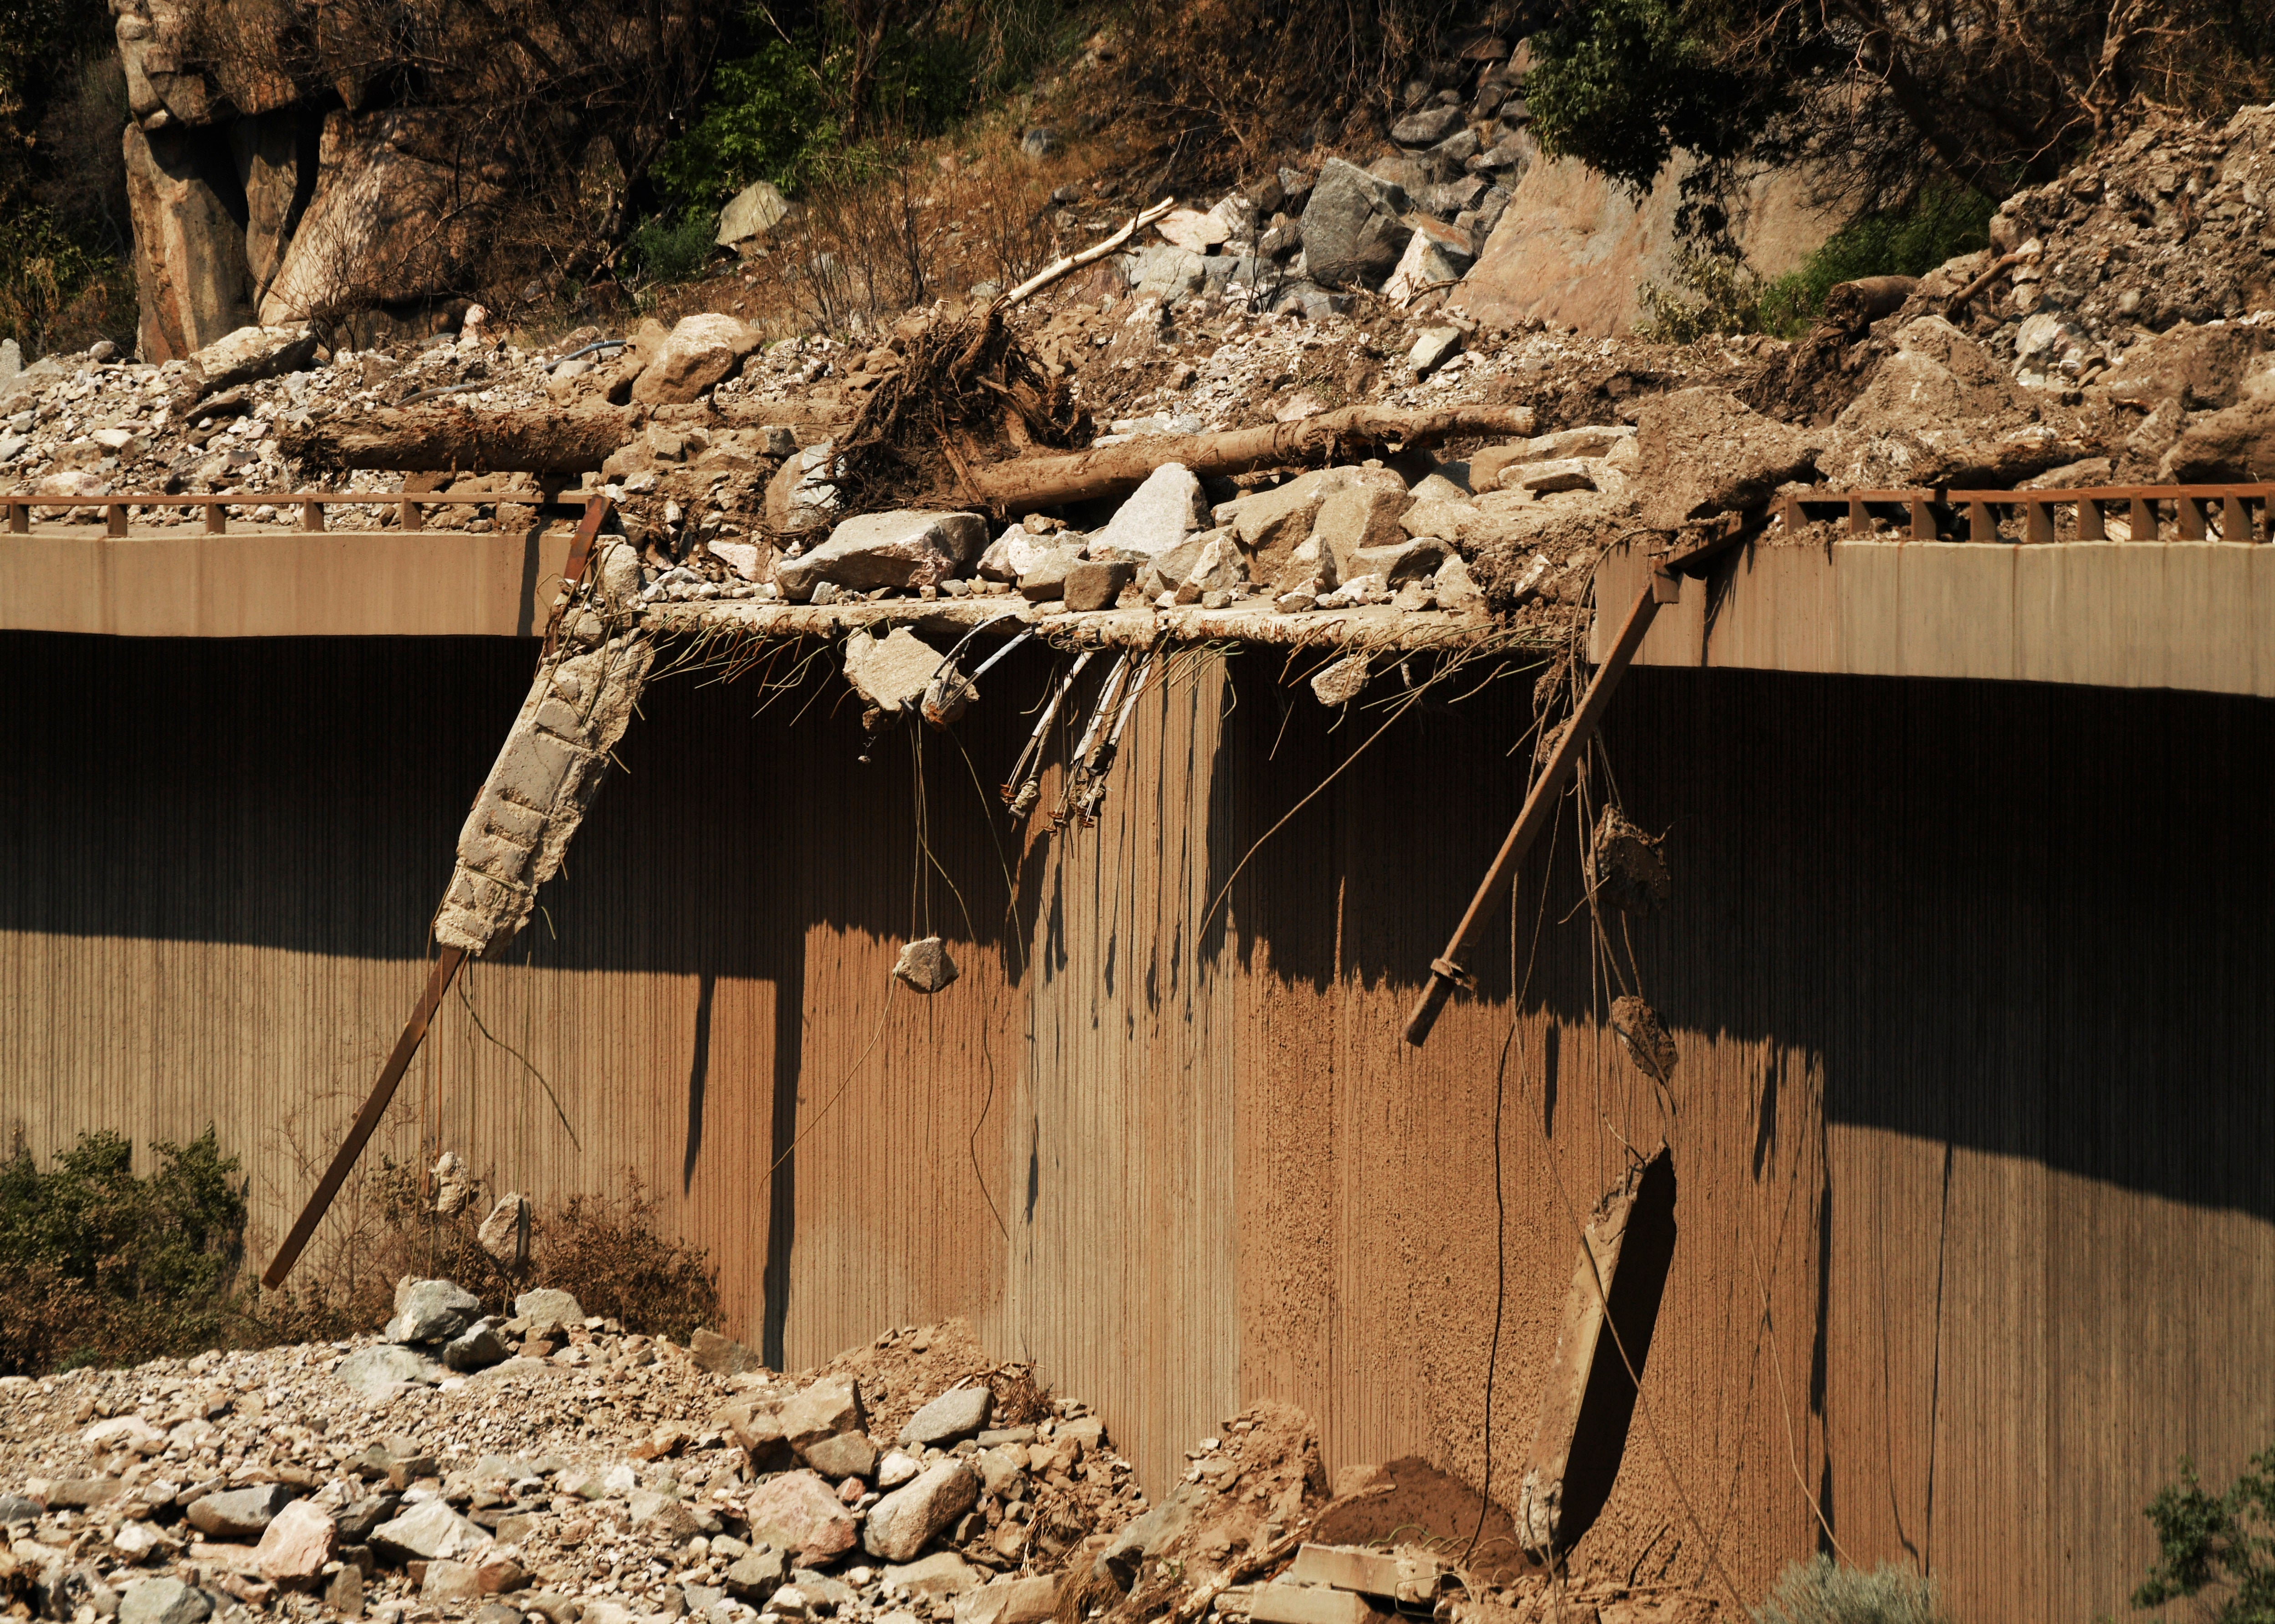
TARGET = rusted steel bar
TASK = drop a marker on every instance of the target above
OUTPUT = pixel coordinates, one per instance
(1446, 971)
(2039, 521)
(2143, 515)
(217, 518)
(312, 515)
(572, 573)
(2090, 524)
(382, 1093)
(115, 519)
(19, 518)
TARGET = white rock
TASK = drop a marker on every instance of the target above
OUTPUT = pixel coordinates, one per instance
(754, 211)
(1157, 516)
(897, 1469)
(904, 1521)
(1433, 347)
(430, 1531)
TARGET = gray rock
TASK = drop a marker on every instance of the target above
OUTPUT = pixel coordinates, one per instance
(379, 1373)
(1093, 584)
(758, 1575)
(1342, 682)
(16, 1508)
(904, 1521)
(547, 1307)
(899, 549)
(1425, 128)
(1045, 583)
(11, 446)
(356, 1520)
(953, 1415)
(432, 1310)
(429, 1531)
(752, 212)
(1040, 143)
(1148, 1534)
(240, 1513)
(1433, 347)
(925, 967)
(722, 1355)
(1353, 228)
(477, 1349)
(853, 1455)
(162, 1601)
(822, 1590)
(943, 1573)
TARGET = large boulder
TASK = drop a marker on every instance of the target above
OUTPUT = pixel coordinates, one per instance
(545, 1308)
(956, 1413)
(296, 1544)
(379, 1373)
(701, 351)
(190, 272)
(1354, 227)
(903, 1523)
(751, 213)
(899, 549)
(432, 1310)
(429, 1532)
(801, 1514)
(1156, 517)
(1705, 452)
(252, 353)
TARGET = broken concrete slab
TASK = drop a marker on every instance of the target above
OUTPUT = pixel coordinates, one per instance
(924, 966)
(891, 672)
(1282, 1602)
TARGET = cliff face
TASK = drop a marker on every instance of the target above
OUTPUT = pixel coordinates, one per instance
(356, 165)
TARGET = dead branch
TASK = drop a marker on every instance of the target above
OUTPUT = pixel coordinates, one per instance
(2000, 267)
(1117, 470)
(575, 440)
(1091, 255)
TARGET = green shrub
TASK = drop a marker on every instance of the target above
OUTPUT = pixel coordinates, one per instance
(1822, 1591)
(1716, 292)
(97, 1265)
(660, 250)
(2206, 1540)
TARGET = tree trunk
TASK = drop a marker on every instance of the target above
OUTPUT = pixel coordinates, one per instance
(1117, 470)
(453, 438)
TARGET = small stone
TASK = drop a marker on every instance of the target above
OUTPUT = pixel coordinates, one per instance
(125, 1432)
(1342, 682)
(478, 1349)
(134, 1541)
(722, 1355)
(345, 1594)
(664, 1516)
(1010, 1598)
(497, 1613)
(1433, 347)
(897, 1469)
(925, 966)
(162, 1601)
(756, 1576)
(500, 1234)
(240, 1513)
(448, 1581)
(1094, 586)
(500, 1575)
(953, 1415)
(943, 1573)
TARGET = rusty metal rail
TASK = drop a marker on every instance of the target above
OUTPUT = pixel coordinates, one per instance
(2243, 513)
(409, 505)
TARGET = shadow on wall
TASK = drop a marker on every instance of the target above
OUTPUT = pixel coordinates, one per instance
(2023, 919)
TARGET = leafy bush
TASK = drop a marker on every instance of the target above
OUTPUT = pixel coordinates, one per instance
(662, 252)
(1716, 292)
(762, 118)
(97, 1265)
(2226, 1540)
(1822, 1591)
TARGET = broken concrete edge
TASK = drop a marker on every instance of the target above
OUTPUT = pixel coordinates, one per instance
(554, 759)
(1374, 626)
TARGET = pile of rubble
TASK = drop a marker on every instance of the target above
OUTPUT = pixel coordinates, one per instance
(551, 1469)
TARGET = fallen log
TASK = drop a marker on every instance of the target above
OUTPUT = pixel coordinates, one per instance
(1117, 470)
(545, 439)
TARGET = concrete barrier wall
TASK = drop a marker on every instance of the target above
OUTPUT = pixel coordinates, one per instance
(1974, 1234)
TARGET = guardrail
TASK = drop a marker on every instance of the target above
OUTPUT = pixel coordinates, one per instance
(409, 505)
(2201, 512)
